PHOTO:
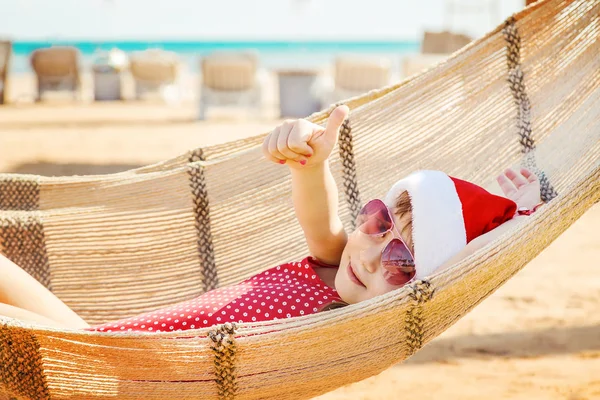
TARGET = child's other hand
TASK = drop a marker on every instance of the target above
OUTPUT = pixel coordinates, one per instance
(300, 143)
(522, 187)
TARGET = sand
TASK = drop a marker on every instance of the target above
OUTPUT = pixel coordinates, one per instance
(537, 337)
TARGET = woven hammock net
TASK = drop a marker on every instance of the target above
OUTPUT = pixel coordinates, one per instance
(117, 245)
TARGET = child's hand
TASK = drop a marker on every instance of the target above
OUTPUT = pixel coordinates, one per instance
(522, 187)
(301, 144)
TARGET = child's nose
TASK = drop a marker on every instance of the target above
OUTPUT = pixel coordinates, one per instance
(371, 258)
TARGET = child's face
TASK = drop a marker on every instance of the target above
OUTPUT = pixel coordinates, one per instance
(362, 258)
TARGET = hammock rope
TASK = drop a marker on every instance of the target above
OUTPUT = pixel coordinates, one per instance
(210, 279)
(516, 80)
(350, 180)
(114, 246)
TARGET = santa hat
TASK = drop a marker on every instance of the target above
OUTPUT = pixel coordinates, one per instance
(447, 213)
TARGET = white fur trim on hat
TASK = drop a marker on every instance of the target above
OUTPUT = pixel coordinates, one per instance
(438, 228)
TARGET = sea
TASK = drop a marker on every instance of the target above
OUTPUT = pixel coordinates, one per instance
(272, 54)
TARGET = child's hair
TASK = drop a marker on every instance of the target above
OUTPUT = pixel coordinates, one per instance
(403, 206)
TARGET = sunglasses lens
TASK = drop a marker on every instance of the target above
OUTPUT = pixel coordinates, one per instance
(398, 263)
(374, 218)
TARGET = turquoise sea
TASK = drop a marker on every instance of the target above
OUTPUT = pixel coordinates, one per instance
(273, 54)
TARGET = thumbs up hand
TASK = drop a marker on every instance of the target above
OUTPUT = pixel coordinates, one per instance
(301, 144)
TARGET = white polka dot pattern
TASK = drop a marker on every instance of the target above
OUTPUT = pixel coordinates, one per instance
(286, 291)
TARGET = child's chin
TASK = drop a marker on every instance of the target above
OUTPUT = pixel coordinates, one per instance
(345, 292)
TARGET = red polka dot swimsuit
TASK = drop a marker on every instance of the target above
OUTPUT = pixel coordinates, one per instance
(288, 290)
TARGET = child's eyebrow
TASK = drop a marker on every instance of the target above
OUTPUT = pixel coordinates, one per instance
(403, 223)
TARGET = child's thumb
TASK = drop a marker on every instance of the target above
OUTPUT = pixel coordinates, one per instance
(335, 121)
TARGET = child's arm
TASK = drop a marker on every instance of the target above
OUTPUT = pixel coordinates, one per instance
(315, 198)
(21, 314)
(305, 148)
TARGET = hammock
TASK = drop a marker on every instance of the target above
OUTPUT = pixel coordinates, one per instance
(117, 245)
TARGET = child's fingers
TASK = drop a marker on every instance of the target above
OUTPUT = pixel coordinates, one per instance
(272, 146)
(273, 159)
(283, 148)
(336, 119)
(299, 137)
(265, 150)
(334, 123)
(530, 176)
(515, 177)
(506, 185)
(265, 146)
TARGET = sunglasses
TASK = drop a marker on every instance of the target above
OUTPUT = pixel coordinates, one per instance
(375, 219)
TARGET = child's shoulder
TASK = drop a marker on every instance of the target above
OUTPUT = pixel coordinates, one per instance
(315, 262)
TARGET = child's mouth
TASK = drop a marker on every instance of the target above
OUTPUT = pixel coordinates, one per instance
(353, 277)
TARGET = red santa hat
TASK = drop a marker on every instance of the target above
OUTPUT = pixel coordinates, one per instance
(447, 213)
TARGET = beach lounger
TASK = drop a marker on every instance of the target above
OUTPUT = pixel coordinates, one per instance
(435, 47)
(416, 63)
(5, 53)
(153, 71)
(230, 79)
(56, 68)
(355, 76)
(443, 42)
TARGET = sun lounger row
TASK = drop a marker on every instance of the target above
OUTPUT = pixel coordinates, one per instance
(5, 53)
(226, 77)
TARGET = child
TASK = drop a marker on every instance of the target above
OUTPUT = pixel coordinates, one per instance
(426, 222)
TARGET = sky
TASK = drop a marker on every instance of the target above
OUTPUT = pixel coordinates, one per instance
(246, 19)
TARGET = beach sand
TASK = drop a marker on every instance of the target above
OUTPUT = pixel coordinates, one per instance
(537, 337)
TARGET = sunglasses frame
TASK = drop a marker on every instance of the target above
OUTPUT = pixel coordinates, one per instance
(393, 229)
